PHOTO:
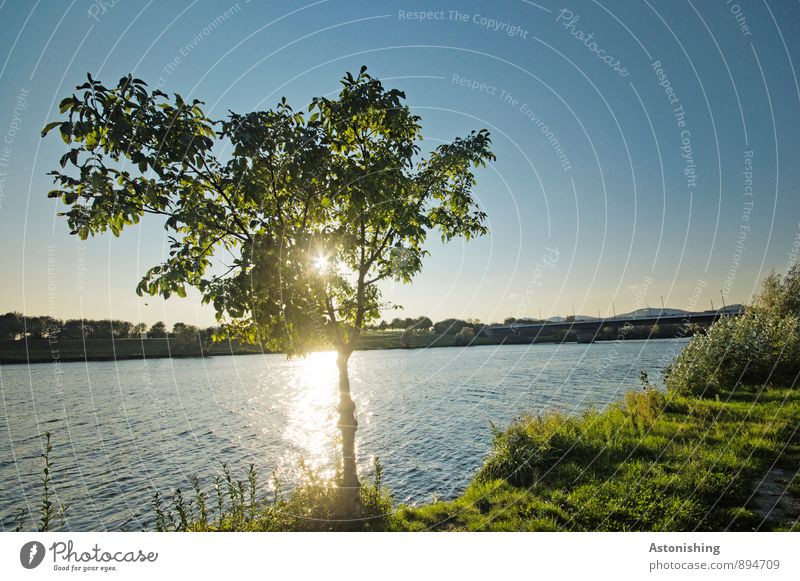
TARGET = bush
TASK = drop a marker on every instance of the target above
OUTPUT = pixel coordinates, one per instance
(464, 337)
(759, 347)
(529, 447)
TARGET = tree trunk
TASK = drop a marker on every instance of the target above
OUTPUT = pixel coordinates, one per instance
(348, 425)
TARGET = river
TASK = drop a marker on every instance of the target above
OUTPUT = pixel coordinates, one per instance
(124, 430)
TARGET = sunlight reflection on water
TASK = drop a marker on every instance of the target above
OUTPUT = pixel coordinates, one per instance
(124, 430)
(311, 414)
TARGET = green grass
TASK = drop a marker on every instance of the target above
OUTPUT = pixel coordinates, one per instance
(656, 462)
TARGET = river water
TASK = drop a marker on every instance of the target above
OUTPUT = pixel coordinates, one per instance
(124, 430)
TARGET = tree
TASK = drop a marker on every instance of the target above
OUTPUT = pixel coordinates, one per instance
(423, 324)
(781, 294)
(72, 329)
(157, 331)
(449, 326)
(316, 207)
(185, 339)
(12, 326)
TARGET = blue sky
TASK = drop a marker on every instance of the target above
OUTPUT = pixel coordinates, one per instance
(643, 149)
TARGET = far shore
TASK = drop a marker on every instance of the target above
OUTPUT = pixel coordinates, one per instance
(76, 351)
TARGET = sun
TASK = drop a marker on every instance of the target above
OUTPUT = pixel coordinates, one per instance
(321, 263)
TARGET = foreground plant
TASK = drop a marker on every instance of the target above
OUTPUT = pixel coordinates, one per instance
(49, 509)
(316, 504)
(303, 216)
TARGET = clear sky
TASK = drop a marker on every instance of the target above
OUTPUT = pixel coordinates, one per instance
(644, 149)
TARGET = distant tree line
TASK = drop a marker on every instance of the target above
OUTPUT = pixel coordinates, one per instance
(426, 325)
(15, 326)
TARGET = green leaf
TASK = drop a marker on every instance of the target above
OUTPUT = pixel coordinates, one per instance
(65, 134)
(66, 104)
(49, 127)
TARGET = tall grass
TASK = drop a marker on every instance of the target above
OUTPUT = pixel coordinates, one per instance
(51, 513)
(243, 505)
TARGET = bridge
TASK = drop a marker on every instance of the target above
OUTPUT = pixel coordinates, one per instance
(585, 330)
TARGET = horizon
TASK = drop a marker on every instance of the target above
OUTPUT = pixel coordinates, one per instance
(530, 318)
(593, 205)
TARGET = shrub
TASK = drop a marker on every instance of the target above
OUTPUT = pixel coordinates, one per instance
(529, 447)
(761, 346)
(464, 337)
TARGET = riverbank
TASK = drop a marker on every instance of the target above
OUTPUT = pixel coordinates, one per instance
(70, 350)
(656, 462)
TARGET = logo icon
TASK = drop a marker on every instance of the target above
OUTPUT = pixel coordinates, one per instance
(31, 554)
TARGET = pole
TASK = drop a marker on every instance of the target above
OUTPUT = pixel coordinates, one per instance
(721, 294)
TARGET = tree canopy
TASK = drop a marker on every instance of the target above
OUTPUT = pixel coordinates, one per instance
(284, 220)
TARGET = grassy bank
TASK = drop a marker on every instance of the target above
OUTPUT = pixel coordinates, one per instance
(653, 463)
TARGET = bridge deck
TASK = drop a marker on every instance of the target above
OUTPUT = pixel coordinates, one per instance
(595, 325)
